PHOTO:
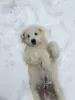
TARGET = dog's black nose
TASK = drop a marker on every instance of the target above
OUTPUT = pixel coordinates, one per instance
(33, 41)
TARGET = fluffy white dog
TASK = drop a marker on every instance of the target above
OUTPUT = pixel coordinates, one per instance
(41, 58)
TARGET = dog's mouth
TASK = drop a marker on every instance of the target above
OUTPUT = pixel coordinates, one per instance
(34, 43)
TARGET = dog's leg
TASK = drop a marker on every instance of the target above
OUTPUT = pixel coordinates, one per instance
(57, 85)
(34, 92)
(35, 95)
(53, 50)
(59, 91)
(56, 82)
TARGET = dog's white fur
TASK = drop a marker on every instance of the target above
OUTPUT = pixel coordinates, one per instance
(42, 60)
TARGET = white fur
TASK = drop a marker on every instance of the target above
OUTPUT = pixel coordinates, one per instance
(42, 60)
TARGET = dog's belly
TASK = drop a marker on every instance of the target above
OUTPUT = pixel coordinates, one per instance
(37, 74)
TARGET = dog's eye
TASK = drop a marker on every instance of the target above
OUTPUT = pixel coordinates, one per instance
(35, 33)
(28, 36)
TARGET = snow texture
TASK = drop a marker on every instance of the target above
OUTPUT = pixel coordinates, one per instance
(58, 17)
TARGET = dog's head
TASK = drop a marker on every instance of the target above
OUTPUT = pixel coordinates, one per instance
(33, 35)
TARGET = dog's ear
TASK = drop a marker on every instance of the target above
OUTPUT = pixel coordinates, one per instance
(23, 37)
(41, 29)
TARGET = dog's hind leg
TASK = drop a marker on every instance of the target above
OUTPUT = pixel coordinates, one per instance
(59, 91)
(34, 92)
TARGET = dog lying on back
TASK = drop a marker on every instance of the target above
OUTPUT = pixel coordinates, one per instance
(42, 60)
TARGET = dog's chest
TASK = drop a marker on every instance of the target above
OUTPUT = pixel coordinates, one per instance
(32, 56)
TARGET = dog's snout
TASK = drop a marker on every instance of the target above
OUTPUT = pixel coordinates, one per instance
(33, 41)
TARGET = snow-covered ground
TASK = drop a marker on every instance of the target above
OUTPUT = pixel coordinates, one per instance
(58, 16)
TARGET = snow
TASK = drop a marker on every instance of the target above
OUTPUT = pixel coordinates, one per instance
(58, 17)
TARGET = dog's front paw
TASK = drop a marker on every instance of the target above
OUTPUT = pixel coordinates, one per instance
(53, 50)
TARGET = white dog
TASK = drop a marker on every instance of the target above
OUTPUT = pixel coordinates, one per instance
(41, 58)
